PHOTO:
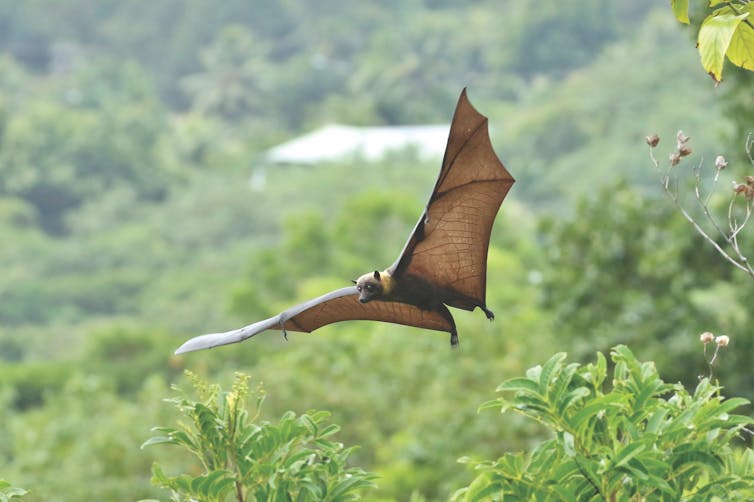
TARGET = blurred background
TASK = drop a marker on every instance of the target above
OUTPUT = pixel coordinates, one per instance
(140, 206)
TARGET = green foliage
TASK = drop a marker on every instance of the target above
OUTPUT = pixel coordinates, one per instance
(628, 268)
(638, 438)
(726, 32)
(127, 136)
(30, 382)
(96, 432)
(361, 368)
(123, 355)
(540, 46)
(235, 81)
(293, 459)
(57, 155)
(9, 492)
(740, 112)
(343, 247)
(567, 147)
(680, 10)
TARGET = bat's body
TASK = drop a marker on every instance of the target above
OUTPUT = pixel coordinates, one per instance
(444, 261)
(416, 291)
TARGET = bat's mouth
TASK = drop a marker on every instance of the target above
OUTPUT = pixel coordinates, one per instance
(363, 300)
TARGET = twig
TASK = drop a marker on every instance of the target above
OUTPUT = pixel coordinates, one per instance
(740, 261)
(738, 12)
(705, 204)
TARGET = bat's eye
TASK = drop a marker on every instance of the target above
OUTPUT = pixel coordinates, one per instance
(370, 287)
(358, 288)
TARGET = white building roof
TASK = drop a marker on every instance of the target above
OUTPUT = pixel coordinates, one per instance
(337, 142)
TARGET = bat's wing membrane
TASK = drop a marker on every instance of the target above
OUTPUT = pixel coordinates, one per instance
(449, 244)
(339, 305)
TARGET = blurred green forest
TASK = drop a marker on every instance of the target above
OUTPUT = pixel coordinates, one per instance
(128, 134)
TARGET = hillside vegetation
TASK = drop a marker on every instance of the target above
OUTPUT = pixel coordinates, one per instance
(129, 131)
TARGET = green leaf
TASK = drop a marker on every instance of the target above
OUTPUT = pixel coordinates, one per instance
(493, 404)
(741, 48)
(552, 366)
(627, 453)
(568, 444)
(349, 485)
(519, 384)
(12, 493)
(562, 382)
(478, 489)
(680, 10)
(329, 430)
(572, 397)
(221, 483)
(721, 409)
(565, 469)
(545, 456)
(699, 457)
(597, 372)
(656, 420)
(715, 35)
(587, 469)
(183, 438)
(594, 407)
(158, 440)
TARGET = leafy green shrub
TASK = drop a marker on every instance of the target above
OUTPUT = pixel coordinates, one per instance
(245, 460)
(644, 439)
(123, 354)
(30, 382)
(8, 492)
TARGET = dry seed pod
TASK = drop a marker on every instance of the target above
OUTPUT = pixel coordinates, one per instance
(720, 162)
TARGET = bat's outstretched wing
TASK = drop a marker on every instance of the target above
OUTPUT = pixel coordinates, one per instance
(339, 305)
(448, 246)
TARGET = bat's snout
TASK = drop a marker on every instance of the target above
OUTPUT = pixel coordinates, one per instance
(363, 300)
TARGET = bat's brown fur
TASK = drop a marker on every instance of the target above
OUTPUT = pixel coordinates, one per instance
(411, 290)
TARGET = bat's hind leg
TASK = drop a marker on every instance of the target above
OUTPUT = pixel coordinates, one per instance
(443, 310)
(490, 314)
(454, 338)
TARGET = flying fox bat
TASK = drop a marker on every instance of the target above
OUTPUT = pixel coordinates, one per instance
(444, 261)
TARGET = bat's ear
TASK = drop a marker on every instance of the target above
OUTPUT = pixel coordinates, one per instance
(376, 275)
(354, 281)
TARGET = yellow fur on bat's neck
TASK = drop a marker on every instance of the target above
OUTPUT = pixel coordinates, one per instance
(388, 283)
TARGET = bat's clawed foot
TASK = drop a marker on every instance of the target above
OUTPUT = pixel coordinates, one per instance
(490, 314)
(454, 340)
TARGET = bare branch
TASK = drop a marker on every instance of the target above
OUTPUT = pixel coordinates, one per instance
(733, 254)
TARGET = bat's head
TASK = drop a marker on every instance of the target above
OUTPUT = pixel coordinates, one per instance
(371, 286)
